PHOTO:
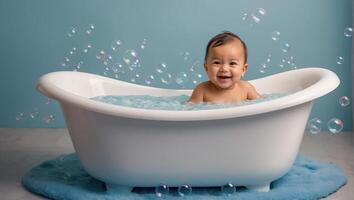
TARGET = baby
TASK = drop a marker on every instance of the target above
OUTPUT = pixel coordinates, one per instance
(225, 63)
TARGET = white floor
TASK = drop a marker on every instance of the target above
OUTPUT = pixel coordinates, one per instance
(21, 149)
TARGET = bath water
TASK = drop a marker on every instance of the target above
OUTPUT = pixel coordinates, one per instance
(174, 102)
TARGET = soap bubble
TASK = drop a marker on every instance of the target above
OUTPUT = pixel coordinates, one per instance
(184, 190)
(286, 47)
(49, 118)
(181, 78)
(71, 31)
(261, 11)
(78, 65)
(195, 66)
(101, 55)
(340, 60)
(161, 68)
(19, 116)
(161, 191)
(228, 189)
(314, 125)
(48, 100)
(185, 55)
(269, 58)
(245, 16)
(90, 29)
(344, 101)
(275, 35)
(348, 32)
(131, 58)
(34, 113)
(263, 68)
(196, 78)
(335, 125)
(143, 44)
(149, 79)
(259, 15)
(166, 78)
(117, 68)
(116, 45)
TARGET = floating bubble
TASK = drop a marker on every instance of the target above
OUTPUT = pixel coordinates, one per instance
(286, 47)
(196, 65)
(161, 191)
(245, 16)
(48, 101)
(184, 190)
(228, 189)
(89, 46)
(90, 29)
(117, 68)
(34, 113)
(78, 65)
(166, 78)
(143, 44)
(71, 32)
(275, 35)
(19, 116)
(348, 32)
(106, 71)
(181, 78)
(116, 44)
(259, 15)
(263, 68)
(101, 55)
(262, 11)
(131, 58)
(314, 125)
(161, 68)
(85, 50)
(196, 78)
(340, 60)
(185, 55)
(49, 118)
(269, 58)
(149, 79)
(344, 101)
(335, 125)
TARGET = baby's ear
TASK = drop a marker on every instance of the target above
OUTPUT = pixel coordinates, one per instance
(205, 67)
(245, 67)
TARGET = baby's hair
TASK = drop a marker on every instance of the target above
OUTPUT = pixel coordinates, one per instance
(223, 38)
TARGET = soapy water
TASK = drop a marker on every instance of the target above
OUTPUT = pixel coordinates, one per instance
(176, 103)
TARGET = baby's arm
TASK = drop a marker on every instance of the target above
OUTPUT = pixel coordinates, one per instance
(252, 92)
(197, 95)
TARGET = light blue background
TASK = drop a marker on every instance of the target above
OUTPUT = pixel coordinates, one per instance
(34, 41)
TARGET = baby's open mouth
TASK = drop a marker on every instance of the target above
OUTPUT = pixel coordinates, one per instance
(224, 77)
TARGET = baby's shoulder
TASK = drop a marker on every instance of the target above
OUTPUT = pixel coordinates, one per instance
(245, 84)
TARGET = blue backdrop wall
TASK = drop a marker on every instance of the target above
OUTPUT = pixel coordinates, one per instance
(42, 36)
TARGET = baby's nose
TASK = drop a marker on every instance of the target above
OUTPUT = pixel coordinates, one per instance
(223, 67)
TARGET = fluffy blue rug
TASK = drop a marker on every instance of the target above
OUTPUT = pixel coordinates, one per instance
(64, 179)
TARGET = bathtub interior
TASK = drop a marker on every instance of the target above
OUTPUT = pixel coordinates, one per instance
(89, 85)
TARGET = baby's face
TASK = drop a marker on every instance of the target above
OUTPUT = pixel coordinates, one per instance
(225, 64)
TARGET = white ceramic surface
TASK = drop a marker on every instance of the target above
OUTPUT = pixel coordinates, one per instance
(250, 145)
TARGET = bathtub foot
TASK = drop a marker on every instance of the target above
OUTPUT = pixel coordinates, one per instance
(117, 189)
(259, 188)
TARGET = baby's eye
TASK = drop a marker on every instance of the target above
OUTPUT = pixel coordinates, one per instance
(216, 62)
(233, 63)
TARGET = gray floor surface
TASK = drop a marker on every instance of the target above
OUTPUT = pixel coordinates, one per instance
(21, 149)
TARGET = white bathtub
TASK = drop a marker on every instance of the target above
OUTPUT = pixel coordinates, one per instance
(250, 146)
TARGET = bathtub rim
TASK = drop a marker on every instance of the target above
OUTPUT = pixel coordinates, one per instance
(328, 81)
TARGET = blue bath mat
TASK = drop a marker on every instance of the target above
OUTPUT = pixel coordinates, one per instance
(64, 179)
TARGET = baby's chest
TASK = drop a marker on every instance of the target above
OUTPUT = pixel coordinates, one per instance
(225, 96)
